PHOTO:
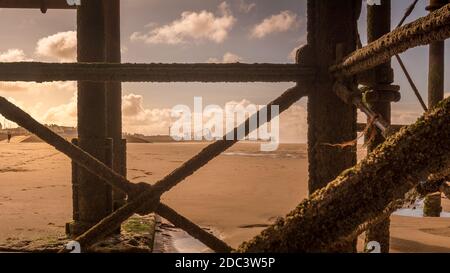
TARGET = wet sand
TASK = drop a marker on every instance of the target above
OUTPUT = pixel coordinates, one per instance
(235, 196)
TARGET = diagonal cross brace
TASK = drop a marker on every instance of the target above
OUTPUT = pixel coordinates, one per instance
(83, 159)
(148, 199)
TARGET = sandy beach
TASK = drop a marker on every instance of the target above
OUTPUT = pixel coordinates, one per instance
(235, 196)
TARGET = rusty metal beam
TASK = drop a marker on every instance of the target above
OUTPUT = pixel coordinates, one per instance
(35, 4)
(46, 72)
(425, 30)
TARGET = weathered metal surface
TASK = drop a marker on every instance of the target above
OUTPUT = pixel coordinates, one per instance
(330, 120)
(354, 97)
(45, 72)
(432, 204)
(144, 198)
(365, 191)
(148, 198)
(83, 159)
(379, 100)
(433, 27)
(114, 95)
(94, 196)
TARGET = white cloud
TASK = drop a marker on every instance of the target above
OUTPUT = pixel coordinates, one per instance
(64, 115)
(282, 22)
(227, 58)
(137, 119)
(245, 7)
(18, 55)
(192, 26)
(61, 46)
(36, 88)
(13, 55)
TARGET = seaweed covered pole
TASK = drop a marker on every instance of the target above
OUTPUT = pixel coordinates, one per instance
(432, 205)
(331, 25)
(379, 97)
(114, 96)
(363, 192)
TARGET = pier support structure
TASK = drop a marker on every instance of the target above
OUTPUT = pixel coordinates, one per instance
(93, 197)
(114, 95)
(331, 121)
(432, 204)
(379, 97)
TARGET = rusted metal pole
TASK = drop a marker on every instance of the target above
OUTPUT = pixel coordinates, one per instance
(94, 195)
(379, 98)
(330, 120)
(114, 95)
(432, 204)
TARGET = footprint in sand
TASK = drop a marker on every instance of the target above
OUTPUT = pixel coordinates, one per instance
(443, 232)
(144, 172)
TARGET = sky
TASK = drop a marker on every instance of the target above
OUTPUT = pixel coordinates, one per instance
(188, 31)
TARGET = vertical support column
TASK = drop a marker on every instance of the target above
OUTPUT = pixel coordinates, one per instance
(379, 98)
(93, 195)
(114, 95)
(330, 23)
(432, 205)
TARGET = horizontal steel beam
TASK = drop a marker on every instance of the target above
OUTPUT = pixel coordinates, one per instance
(431, 28)
(47, 72)
(35, 4)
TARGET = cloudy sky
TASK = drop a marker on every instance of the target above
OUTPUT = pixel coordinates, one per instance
(184, 31)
